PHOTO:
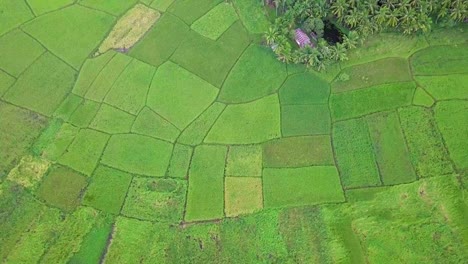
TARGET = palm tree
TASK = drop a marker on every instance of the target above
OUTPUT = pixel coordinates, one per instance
(271, 35)
(339, 9)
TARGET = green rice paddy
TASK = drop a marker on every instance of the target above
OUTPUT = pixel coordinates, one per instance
(198, 146)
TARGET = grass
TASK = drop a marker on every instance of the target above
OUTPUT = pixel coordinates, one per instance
(427, 152)
(446, 86)
(116, 8)
(6, 81)
(180, 161)
(370, 100)
(101, 83)
(236, 123)
(156, 199)
(257, 74)
(209, 59)
(68, 107)
(197, 130)
(112, 120)
(43, 86)
(214, 23)
(18, 51)
(422, 98)
(242, 195)
(391, 152)
(18, 132)
(304, 88)
(13, 14)
(161, 41)
(440, 60)
(138, 154)
(130, 28)
(40, 7)
(451, 119)
(301, 186)
(161, 5)
(252, 15)
(300, 120)
(205, 197)
(29, 171)
(57, 142)
(180, 100)
(151, 124)
(244, 161)
(89, 28)
(84, 152)
(298, 152)
(384, 71)
(90, 71)
(94, 243)
(62, 188)
(84, 113)
(107, 189)
(385, 45)
(355, 158)
(137, 75)
(190, 11)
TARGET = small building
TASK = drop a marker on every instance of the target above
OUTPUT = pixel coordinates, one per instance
(302, 39)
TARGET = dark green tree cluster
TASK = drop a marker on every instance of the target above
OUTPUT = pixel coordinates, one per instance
(357, 18)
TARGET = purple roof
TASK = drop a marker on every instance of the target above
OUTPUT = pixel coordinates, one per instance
(301, 38)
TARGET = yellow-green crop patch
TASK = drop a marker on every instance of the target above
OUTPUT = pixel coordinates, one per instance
(84, 152)
(205, 197)
(379, 98)
(84, 113)
(180, 161)
(391, 152)
(178, 95)
(301, 120)
(6, 81)
(159, 200)
(354, 152)
(189, 11)
(244, 161)
(62, 188)
(107, 189)
(80, 30)
(252, 15)
(445, 86)
(257, 74)
(138, 154)
(43, 86)
(301, 186)
(129, 29)
(440, 60)
(12, 14)
(304, 88)
(452, 120)
(40, 7)
(253, 122)
(151, 124)
(115, 7)
(112, 120)
(389, 70)
(214, 23)
(298, 152)
(18, 51)
(161, 41)
(242, 195)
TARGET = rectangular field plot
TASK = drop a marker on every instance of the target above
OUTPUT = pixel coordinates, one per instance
(427, 151)
(6, 81)
(205, 198)
(382, 71)
(452, 120)
(43, 86)
(370, 100)
(301, 186)
(107, 189)
(189, 11)
(84, 113)
(298, 152)
(180, 161)
(159, 200)
(216, 21)
(84, 152)
(244, 161)
(355, 154)
(390, 149)
(243, 195)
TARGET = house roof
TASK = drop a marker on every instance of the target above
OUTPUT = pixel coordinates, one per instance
(301, 38)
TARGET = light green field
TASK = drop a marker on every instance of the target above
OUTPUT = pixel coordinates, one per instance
(195, 144)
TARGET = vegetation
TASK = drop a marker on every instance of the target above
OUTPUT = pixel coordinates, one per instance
(199, 146)
(337, 26)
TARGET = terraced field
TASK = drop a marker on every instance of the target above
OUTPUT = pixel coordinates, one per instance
(197, 146)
